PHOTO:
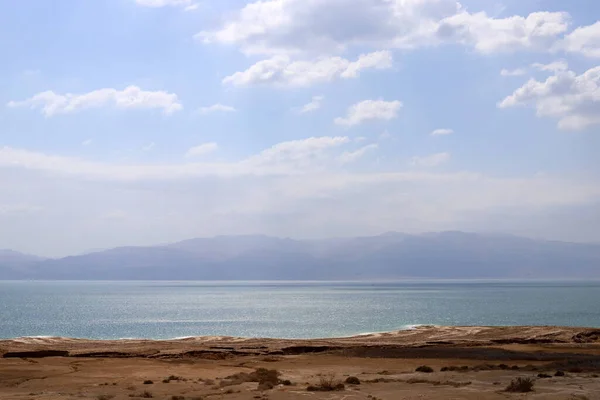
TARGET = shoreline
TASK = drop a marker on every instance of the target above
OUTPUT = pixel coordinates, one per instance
(422, 336)
(473, 363)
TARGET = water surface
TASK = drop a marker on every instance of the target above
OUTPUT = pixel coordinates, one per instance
(162, 310)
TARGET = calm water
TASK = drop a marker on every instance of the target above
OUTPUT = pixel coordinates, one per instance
(160, 310)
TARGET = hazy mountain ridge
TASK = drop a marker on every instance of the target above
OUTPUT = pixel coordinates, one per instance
(256, 257)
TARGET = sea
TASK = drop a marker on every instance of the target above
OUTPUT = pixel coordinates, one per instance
(169, 310)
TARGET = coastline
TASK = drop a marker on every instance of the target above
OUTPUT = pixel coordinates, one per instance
(420, 336)
(469, 362)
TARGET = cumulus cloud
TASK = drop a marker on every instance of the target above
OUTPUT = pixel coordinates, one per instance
(352, 156)
(584, 40)
(216, 108)
(164, 3)
(132, 97)
(370, 110)
(430, 161)
(309, 26)
(314, 105)
(201, 150)
(442, 131)
(572, 99)
(281, 71)
(537, 31)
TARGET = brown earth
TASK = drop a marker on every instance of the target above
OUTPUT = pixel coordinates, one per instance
(477, 363)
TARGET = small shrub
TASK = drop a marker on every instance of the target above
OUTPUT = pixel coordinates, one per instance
(544, 376)
(145, 395)
(425, 369)
(148, 382)
(503, 366)
(209, 382)
(515, 367)
(352, 380)
(265, 386)
(261, 375)
(327, 384)
(520, 385)
(177, 397)
(575, 370)
(105, 396)
(286, 382)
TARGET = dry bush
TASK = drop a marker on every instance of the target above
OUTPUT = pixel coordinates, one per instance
(425, 369)
(266, 378)
(328, 383)
(352, 380)
(438, 383)
(520, 385)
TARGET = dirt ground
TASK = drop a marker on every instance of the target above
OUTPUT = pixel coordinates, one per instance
(477, 363)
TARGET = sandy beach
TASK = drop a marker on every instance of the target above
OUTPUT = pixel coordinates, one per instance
(467, 363)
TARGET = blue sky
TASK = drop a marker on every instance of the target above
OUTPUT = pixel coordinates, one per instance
(134, 122)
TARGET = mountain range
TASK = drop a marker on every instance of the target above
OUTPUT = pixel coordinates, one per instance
(443, 255)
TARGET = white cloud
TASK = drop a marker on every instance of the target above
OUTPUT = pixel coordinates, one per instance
(584, 40)
(442, 131)
(164, 3)
(314, 105)
(216, 108)
(18, 209)
(282, 71)
(202, 149)
(192, 7)
(149, 146)
(285, 158)
(296, 155)
(351, 156)
(314, 26)
(86, 142)
(370, 110)
(513, 72)
(572, 99)
(555, 66)
(385, 135)
(131, 97)
(432, 160)
(537, 31)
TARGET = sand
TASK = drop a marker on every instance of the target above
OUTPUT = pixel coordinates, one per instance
(482, 361)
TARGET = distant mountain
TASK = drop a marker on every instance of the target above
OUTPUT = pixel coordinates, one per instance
(443, 255)
(14, 265)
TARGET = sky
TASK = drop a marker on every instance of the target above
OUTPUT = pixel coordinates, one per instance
(138, 122)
